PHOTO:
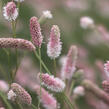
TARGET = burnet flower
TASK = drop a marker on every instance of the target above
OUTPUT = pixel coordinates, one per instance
(54, 45)
(79, 91)
(21, 93)
(69, 64)
(53, 83)
(47, 14)
(86, 22)
(106, 68)
(19, 0)
(16, 43)
(47, 99)
(10, 12)
(35, 31)
(4, 87)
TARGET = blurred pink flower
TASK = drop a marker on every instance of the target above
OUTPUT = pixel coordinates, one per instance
(48, 101)
(69, 64)
(54, 45)
(52, 83)
(106, 68)
(10, 11)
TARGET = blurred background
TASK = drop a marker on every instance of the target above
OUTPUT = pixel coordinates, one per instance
(93, 46)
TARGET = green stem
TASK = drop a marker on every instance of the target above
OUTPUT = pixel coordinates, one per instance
(5, 101)
(33, 106)
(40, 77)
(54, 67)
(72, 85)
(14, 35)
(68, 101)
(38, 57)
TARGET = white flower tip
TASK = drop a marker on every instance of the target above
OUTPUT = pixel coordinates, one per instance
(47, 14)
(11, 95)
(86, 22)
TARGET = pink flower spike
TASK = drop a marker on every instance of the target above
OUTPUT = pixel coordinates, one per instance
(54, 45)
(16, 43)
(48, 101)
(35, 31)
(70, 62)
(52, 83)
(106, 68)
(10, 11)
(21, 93)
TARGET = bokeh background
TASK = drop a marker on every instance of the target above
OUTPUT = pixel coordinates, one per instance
(93, 46)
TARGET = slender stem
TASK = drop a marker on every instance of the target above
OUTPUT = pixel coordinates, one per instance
(38, 57)
(14, 35)
(54, 67)
(68, 101)
(40, 76)
(33, 106)
(72, 85)
(5, 101)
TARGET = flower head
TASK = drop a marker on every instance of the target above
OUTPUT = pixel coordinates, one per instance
(4, 87)
(11, 95)
(19, 0)
(35, 31)
(21, 93)
(54, 45)
(79, 90)
(52, 83)
(106, 68)
(86, 22)
(16, 43)
(69, 64)
(2, 108)
(48, 101)
(47, 14)
(10, 11)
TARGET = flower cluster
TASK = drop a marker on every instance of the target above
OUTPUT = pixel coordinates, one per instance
(35, 31)
(106, 68)
(69, 63)
(48, 101)
(21, 94)
(10, 11)
(54, 45)
(16, 43)
(52, 83)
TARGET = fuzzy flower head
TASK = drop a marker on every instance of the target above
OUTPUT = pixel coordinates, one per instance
(79, 90)
(10, 11)
(52, 83)
(106, 68)
(2, 108)
(11, 95)
(69, 65)
(19, 0)
(4, 87)
(21, 93)
(86, 22)
(16, 43)
(35, 31)
(47, 100)
(47, 14)
(54, 45)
